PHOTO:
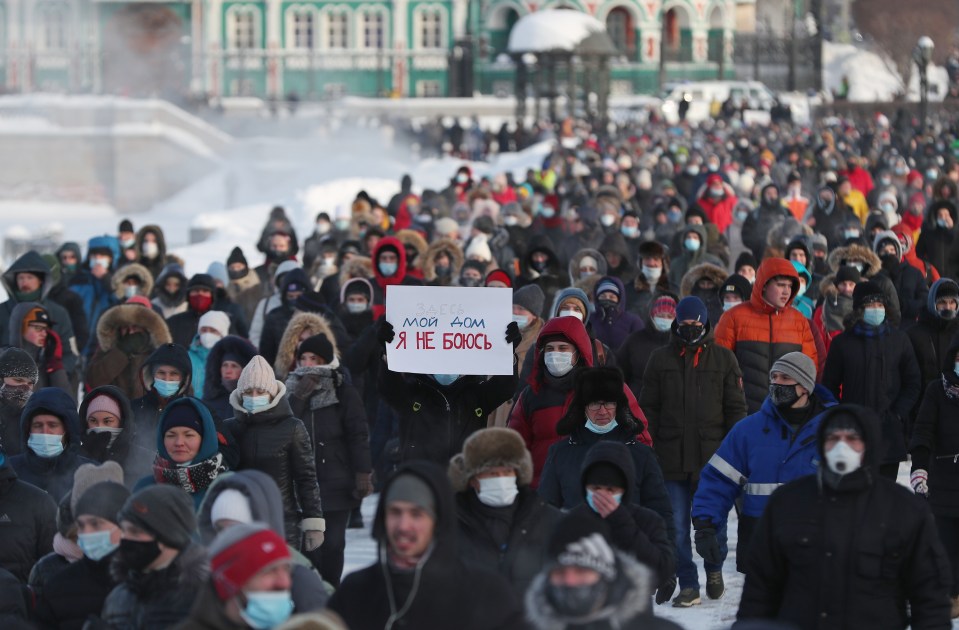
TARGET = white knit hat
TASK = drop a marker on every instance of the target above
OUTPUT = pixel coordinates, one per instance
(258, 375)
(232, 505)
(217, 320)
(479, 250)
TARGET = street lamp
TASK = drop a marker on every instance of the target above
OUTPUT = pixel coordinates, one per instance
(922, 55)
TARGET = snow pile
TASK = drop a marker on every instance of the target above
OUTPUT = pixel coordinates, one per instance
(552, 30)
(872, 78)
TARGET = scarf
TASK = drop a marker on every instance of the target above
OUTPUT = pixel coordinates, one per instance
(327, 378)
(193, 478)
(862, 329)
(66, 548)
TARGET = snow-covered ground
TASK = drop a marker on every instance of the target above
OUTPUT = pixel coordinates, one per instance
(872, 78)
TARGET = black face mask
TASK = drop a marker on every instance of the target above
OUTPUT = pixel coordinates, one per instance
(16, 395)
(136, 554)
(577, 601)
(690, 333)
(237, 274)
(947, 313)
(539, 266)
(608, 305)
(470, 282)
(819, 265)
(783, 395)
(890, 262)
(443, 271)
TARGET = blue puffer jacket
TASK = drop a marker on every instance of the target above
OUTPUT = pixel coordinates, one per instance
(97, 294)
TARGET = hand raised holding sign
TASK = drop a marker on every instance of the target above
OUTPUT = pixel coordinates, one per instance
(513, 335)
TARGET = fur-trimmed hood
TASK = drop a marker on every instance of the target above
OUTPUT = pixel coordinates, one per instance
(697, 273)
(414, 238)
(133, 270)
(286, 353)
(452, 249)
(491, 448)
(855, 253)
(573, 269)
(828, 288)
(122, 315)
(356, 267)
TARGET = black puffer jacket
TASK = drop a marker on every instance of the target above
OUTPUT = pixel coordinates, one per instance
(10, 439)
(32, 516)
(692, 396)
(277, 443)
(135, 460)
(932, 335)
(75, 593)
(334, 416)
(633, 356)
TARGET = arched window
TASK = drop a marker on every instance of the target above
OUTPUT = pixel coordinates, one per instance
(373, 25)
(430, 25)
(243, 27)
(619, 25)
(336, 28)
(301, 27)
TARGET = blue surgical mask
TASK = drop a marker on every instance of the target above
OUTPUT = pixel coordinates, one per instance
(342, 224)
(691, 244)
(166, 389)
(521, 320)
(874, 316)
(267, 609)
(595, 428)
(955, 369)
(547, 212)
(129, 290)
(589, 500)
(847, 234)
(388, 269)
(96, 545)
(629, 231)
(942, 223)
(356, 307)
(45, 445)
(254, 404)
(729, 305)
(662, 324)
(445, 379)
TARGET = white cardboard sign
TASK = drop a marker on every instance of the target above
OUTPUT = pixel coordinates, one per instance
(449, 330)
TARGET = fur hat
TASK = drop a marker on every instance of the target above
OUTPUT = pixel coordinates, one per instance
(258, 375)
(591, 385)
(491, 448)
(653, 249)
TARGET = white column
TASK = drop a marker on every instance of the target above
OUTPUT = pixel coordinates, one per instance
(460, 10)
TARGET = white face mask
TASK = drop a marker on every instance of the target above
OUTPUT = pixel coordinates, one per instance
(497, 491)
(208, 339)
(842, 459)
(575, 314)
(558, 363)
(151, 249)
(607, 220)
(652, 273)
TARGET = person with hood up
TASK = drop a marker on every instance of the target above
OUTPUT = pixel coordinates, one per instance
(151, 246)
(19, 375)
(693, 253)
(760, 453)
(619, 258)
(323, 239)
(937, 327)
(692, 396)
(201, 298)
(158, 568)
(503, 524)
(651, 281)
(302, 326)
(910, 283)
(212, 327)
(164, 376)
(542, 267)
(802, 302)
(442, 263)
(270, 302)
(131, 280)
(69, 257)
(633, 356)
(588, 583)
(767, 217)
(80, 589)
(271, 439)
(110, 435)
(873, 364)
(836, 291)
(389, 269)
(362, 354)
(169, 291)
(610, 322)
(845, 547)
(32, 332)
(828, 213)
(244, 287)
(94, 283)
(527, 304)
(126, 335)
(71, 302)
(349, 264)
(765, 328)
(187, 450)
(703, 282)
(50, 451)
(334, 416)
(935, 240)
(419, 580)
(586, 263)
(26, 504)
(717, 200)
(279, 243)
(223, 368)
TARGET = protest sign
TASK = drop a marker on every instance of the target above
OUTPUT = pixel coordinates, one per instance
(449, 330)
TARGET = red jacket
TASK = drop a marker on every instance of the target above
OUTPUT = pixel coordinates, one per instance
(719, 211)
(379, 297)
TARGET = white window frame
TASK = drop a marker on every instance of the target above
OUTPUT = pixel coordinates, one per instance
(362, 24)
(292, 14)
(247, 11)
(429, 88)
(44, 26)
(339, 12)
(440, 12)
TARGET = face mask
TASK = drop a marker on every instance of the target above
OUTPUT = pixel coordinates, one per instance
(692, 170)
(342, 224)
(576, 601)
(629, 231)
(662, 324)
(466, 281)
(947, 313)
(445, 379)
(166, 388)
(874, 316)
(323, 227)
(575, 314)
(848, 234)
(715, 193)
(16, 395)
(585, 274)
(801, 290)
(138, 554)
(200, 303)
(129, 290)
(600, 430)
(128, 243)
(45, 445)
(388, 269)
(103, 263)
(97, 545)
(674, 216)
(208, 339)
(691, 244)
(729, 305)
(558, 363)
(857, 266)
(521, 320)
(783, 395)
(942, 223)
(547, 212)
(71, 268)
(652, 273)
(236, 274)
(589, 500)
(328, 263)
(151, 250)
(497, 491)
(254, 404)
(462, 178)
(886, 207)
(267, 609)
(741, 215)
(690, 333)
(443, 271)
(842, 459)
(510, 221)
(885, 181)
(607, 305)
(607, 220)
(356, 307)
(113, 431)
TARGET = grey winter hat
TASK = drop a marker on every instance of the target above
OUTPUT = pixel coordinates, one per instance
(798, 366)
(16, 362)
(164, 511)
(103, 499)
(530, 297)
(89, 475)
(408, 487)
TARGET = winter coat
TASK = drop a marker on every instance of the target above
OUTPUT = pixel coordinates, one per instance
(932, 336)
(934, 445)
(615, 243)
(640, 294)
(246, 292)
(126, 450)
(209, 613)
(613, 325)
(13, 602)
(275, 442)
(935, 243)
(829, 224)
(380, 282)
(49, 358)
(710, 297)
(862, 553)
(215, 395)
(442, 592)
(198, 357)
(871, 266)
(74, 594)
(97, 296)
(29, 519)
(355, 267)
(760, 223)
(301, 323)
(759, 334)
(500, 417)
(72, 304)
(362, 357)
(759, 454)
(170, 305)
(334, 416)
(112, 366)
(551, 279)
(52, 563)
(685, 261)
(692, 396)
(155, 600)
(10, 439)
(52, 474)
(875, 366)
(633, 356)
(523, 554)
(718, 211)
(911, 288)
(830, 315)
(148, 407)
(455, 254)
(271, 300)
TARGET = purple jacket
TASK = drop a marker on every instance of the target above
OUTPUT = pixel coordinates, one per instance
(613, 325)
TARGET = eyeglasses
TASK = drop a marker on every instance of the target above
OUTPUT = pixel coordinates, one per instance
(594, 406)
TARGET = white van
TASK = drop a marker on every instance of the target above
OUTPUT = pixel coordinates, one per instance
(702, 94)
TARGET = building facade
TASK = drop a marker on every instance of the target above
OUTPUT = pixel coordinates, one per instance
(326, 48)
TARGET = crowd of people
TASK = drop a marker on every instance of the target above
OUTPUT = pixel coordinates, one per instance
(758, 319)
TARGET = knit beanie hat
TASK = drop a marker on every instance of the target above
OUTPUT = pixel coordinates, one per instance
(217, 271)
(181, 415)
(474, 264)
(240, 552)
(736, 284)
(89, 475)
(840, 419)
(125, 226)
(848, 273)
(691, 308)
(530, 297)
(478, 249)
(663, 305)
(445, 226)
(799, 367)
(217, 320)
(164, 511)
(606, 284)
(580, 540)
(231, 505)
(410, 488)
(103, 499)
(236, 256)
(605, 474)
(358, 286)
(746, 258)
(317, 344)
(258, 375)
(103, 403)
(202, 281)
(867, 293)
(498, 275)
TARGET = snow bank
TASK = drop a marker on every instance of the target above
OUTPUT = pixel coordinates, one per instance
(871, 78)
(552, 30)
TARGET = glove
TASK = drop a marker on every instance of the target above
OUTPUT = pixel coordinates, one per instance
(707, 545)
(384, 332)
(513, 335)
(306, 385)
(313, 529)
(665, 591)
(364, 485)
(919, 482)
(134, 343)
(312, 540)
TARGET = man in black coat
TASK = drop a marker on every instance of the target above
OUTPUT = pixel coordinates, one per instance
(633, 356)
(846, 548)
(419, 580)
(910, 284)
(937, 327)
(18, 377)
(31, 522)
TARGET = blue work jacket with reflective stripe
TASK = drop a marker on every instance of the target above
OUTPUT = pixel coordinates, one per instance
(757, 456)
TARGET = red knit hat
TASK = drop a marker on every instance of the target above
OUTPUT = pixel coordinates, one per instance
(502, 276)
(242, 551)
